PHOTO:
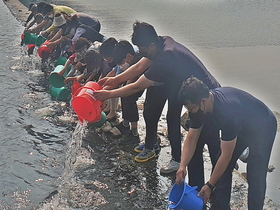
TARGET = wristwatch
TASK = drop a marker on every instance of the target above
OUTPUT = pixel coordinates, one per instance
(210, 186)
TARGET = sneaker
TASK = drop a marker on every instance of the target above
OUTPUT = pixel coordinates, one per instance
(124, 130)
(145, 155)
(115, 132)
(140, 148)
(173, 166)
(107, 126)
(129, 139)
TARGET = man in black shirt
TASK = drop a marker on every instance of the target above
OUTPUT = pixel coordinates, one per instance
(170, 63)
(244, 121)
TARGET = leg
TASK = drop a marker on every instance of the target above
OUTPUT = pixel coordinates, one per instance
(257, 164)
(153, 106)
(174, 126)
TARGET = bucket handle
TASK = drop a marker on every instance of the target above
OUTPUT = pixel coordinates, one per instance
(86, 88)
(190, 189)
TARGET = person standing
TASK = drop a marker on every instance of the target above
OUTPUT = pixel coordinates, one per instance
(244, 121)
(172, 63)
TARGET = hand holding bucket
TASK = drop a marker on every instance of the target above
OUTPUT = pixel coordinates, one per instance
(184, 197)
(85, 105)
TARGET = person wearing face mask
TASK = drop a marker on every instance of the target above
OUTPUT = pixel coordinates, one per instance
(244, 121)
(171, 63)
(71, 29)
(50, 10)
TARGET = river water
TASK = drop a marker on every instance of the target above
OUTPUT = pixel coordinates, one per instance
(42, 163)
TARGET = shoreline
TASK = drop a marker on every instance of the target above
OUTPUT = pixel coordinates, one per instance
(239, 198)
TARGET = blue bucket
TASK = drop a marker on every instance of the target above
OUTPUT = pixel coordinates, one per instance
(184, 197)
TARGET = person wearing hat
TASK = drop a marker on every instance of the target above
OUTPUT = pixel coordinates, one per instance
(50, 10)
(72, 29)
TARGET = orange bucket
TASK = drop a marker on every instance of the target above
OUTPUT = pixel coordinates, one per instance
(85, 105)
(44, 51)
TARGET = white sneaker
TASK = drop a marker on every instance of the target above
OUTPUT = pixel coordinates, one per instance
(107, 126)
(173, 166)
(115, 132)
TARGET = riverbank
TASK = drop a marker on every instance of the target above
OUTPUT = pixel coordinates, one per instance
(239, 184)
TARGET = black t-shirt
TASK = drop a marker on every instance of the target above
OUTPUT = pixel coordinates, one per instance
(174, 63)
(238, 114)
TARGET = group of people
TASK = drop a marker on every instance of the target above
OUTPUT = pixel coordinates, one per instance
(227, 120)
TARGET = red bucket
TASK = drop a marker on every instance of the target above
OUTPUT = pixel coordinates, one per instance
(85, 105)
(44, 51)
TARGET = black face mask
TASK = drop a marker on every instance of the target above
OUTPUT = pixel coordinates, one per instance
(197, 118)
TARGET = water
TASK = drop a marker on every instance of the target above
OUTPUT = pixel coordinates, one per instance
(48, 161)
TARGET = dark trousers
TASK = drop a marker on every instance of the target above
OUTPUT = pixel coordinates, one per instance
(210, 136)
(129, 107)
(155, 100)
(260, 143)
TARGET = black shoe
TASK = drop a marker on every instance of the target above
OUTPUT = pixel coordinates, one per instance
(112, 119)
(124, 130)
(129, 139)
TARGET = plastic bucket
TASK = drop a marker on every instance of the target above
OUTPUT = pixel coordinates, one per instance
(40, 40)
(76, 85)
(184, 197)
(61, 94)
(60, 61)
(100, 122)
(57, 80)
(43, 51)
(85, 105)
(29, 38)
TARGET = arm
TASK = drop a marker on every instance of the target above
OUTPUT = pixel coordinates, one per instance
(141, 84)
(56, 36)
(78, 33)
(227, 148)
(40, 26)
(131, 73)
(187, 153)
(66, 65)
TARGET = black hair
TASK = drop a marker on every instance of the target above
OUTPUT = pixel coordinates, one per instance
(47, 9)
(81, 42)
(193, 90)
(30, 6)
(144, 34)
(120, 51)
(107, 47)
(40, 7)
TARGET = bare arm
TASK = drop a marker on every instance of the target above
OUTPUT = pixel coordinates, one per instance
(141, 84)
(187, 153)
(56, 36)
(40, 26)
(131, 73)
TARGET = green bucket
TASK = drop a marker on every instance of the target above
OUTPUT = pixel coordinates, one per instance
(61, 94)
(56, 79)
(40, 40)
(29, 38)
(60, 61)
(99, 123)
